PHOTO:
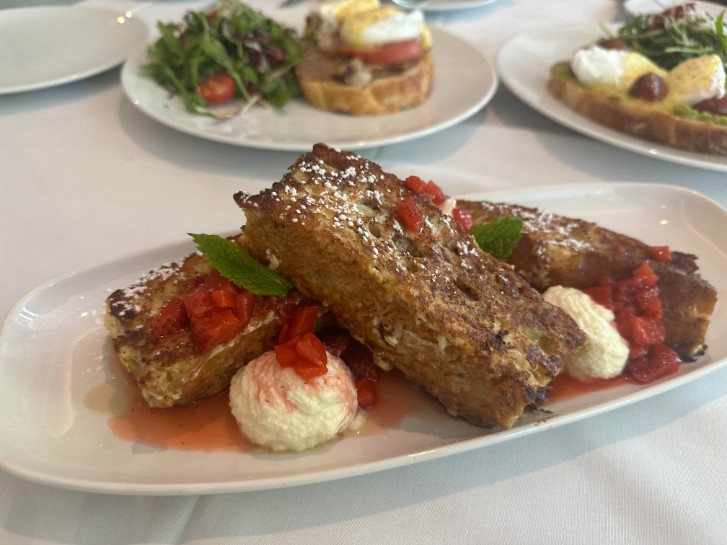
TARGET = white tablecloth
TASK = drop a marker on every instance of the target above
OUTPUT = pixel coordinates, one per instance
(87, 178)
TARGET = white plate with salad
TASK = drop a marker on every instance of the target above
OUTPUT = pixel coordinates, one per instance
(44, 46)
(464, 83)
(63, 393)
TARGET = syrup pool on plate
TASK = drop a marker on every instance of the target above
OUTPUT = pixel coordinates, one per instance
(209, 426)
(566, 387)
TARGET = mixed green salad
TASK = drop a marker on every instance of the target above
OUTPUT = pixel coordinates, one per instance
(675, 35)
(231, 51)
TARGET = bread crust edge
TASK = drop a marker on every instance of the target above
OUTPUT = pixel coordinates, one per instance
(639, 118)
(388, 94)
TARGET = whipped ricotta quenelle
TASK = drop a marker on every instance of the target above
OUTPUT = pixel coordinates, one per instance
(605, 352)
(277, 409)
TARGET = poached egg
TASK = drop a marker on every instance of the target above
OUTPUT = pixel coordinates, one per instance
(690, 82)
(371, 28)
(366, 25)
(611, 69)
(695, 80)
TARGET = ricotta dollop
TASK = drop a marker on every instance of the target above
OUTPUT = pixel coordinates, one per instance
(277, 409)
(605, 352)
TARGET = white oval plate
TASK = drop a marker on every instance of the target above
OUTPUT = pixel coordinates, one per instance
(524, 64)
(50, 45)
(464, 82)
(54, 353)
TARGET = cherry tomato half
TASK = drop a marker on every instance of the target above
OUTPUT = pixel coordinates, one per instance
(217, 88)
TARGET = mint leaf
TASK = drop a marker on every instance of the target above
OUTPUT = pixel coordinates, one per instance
(239, 267)
(499, 237)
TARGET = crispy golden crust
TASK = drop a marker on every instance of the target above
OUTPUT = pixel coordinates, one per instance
(387, 93)
(172, 370)
(450, 317)
(556, 250)
(639, 118)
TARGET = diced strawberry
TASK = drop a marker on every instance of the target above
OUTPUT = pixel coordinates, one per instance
(222, 298)
(336, 343)
(648, 302)
(415, 183)
(603, 295)
(360, 360)
(644, 276)
(430, 189)
(661, 253)
(308, 370)
(464, 218)
(197, 302)
(434, 192)
(171, 318)
(215, 281)
(214, 327)
(660, 362)
(623, 318)
(286, 354)
(409, 215)
(646, 331)
(244, 307)
(301, 320)
(305, 354)
(310, 348)
(637, 351)
(366, 393)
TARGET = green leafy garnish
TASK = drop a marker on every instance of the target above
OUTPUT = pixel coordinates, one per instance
(239, 267)
(499, 237)
(257, 52)
(675, 36)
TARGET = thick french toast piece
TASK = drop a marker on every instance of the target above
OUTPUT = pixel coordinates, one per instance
(556, 250)
(454, 320)
(172, 369)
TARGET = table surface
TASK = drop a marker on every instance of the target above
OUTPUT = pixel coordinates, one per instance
(87, 178)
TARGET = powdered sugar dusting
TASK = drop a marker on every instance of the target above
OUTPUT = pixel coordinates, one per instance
(127, 304)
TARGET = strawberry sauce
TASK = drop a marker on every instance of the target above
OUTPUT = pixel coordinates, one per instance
(209, 425)
(565, 387)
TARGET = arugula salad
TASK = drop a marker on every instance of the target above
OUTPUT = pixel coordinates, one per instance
(676, 34)
(231, 51)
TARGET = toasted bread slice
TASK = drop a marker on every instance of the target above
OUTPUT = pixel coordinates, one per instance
(556, 250)
(172, 369)
(454, 320)
(390, 90)
(637, 117)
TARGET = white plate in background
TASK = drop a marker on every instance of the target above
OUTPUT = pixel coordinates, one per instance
(45, 46)
(449, 5)
(524, 65)
(644, 7)
(464, 82)
(55, 353)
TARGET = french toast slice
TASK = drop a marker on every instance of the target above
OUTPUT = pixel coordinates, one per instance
(172, 369)
(451, 318)
(557, 250)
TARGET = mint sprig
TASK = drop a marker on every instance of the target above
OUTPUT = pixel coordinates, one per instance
(499, 237)
(241, 268)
